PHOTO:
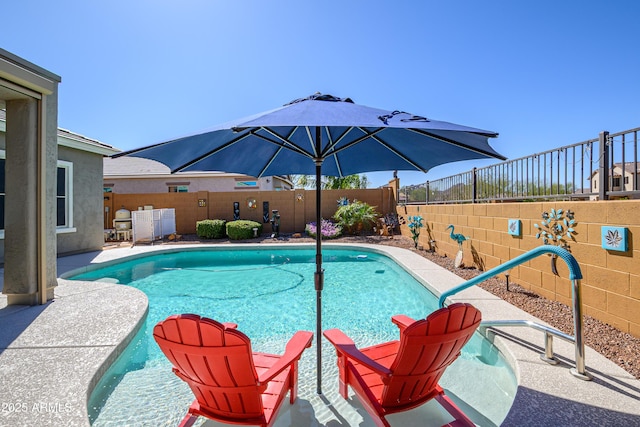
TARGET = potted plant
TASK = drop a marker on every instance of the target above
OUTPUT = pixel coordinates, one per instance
(356, 217)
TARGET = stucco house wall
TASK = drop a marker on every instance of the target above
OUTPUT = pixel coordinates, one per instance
(619, 180)
(84, 157)
(87, 231)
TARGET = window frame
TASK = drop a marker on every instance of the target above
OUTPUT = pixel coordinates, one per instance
(179, 188)
(68, 226)
(68, 166)
(615, 182)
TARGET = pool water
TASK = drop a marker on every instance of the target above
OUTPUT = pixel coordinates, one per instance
(270, 295)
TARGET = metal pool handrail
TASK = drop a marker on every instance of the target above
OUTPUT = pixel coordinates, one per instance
(574, 275)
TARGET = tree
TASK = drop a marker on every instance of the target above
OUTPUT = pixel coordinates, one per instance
(351, 181)
(331, 182)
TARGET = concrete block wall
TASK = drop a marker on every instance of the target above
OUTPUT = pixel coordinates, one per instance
(611, 279)
(296, 208)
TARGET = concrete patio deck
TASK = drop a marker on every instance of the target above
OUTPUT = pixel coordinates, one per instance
(52, 356)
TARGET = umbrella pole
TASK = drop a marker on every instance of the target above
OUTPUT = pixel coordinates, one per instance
(319, 274)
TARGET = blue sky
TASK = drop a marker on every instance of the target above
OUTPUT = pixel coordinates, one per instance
(542, 74)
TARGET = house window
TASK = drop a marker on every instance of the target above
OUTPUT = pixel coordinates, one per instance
(178, 189)
(626, 179)
(616, 181)
(64, 195)
(241, 184)
(107, 189)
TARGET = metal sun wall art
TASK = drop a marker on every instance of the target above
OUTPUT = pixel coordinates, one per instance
(614, 238)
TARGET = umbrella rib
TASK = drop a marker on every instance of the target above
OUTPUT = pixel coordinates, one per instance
(354, 142)
(332, 144)
(137, 150)
(457, 144)
(210, 153)
(270, 161)
(285, 141)
(399, 154)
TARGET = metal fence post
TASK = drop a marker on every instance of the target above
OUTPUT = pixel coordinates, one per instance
(603, 167)
(427, 197)
(474, 188)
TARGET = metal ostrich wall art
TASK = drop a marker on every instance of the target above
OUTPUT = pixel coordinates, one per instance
(458, 238)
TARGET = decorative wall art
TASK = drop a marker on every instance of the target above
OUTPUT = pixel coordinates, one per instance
(614, 238)
(265, 212)
(514, 227)
(557, 228)
(236, 211)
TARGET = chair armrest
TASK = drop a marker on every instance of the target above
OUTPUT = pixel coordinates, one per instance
(402, 321)
(293, 351)
(346, 347)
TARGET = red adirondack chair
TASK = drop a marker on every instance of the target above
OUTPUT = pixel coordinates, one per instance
(231, 384)
(401, 375)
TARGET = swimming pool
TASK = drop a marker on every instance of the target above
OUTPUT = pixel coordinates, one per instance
(270, 294)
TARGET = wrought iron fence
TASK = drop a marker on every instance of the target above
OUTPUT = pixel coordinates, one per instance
(597, 169)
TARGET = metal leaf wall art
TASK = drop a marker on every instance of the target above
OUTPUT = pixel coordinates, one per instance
(556, 228)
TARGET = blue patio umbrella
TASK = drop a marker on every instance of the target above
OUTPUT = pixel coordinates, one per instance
(322, 135)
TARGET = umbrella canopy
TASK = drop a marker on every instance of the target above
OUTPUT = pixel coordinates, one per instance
(322, 135)
(353, 139)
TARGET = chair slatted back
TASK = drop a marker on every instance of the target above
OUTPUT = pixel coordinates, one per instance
(215, 361)
(427, 347)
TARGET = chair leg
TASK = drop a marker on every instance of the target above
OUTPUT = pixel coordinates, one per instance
(452, 408)
(188, 420)
(343, 388)
(293, 382)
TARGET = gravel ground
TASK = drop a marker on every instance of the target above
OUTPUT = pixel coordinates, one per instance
(620, 347)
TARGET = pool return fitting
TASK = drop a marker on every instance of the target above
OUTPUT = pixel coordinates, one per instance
(579, 371)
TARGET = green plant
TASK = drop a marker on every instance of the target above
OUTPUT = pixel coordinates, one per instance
(415, 224)
(211, 228)
(356, 216)
(242, 229)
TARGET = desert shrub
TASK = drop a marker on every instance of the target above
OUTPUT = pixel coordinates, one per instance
(328, 229)
(211, 228)
(242, 229)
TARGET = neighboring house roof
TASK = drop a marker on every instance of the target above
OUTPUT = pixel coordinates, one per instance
(136, 167)
(628, 167)
(66, 138)
(127, 166)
